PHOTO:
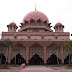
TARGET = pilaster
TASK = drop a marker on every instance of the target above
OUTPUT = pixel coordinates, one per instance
(9, 54)
(27, 55)
(62, 55)
(44, 55)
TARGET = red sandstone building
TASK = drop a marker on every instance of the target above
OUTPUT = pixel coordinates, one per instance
(35, 41)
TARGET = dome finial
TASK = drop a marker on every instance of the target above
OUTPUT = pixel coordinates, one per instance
(35, 7)
(13, 20)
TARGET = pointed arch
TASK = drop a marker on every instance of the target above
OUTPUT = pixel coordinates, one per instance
(32, 22)
(36, 60)
(53, 60)
(26, 23)
(19, 49)
(36, 49)
(53, 49)
(2, 58)
(39, 22)
(45, 23)
(18, 59)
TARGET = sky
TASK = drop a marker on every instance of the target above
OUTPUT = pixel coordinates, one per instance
(55, 10)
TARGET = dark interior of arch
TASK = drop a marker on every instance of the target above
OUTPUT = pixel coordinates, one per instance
(66, 60)
(26, 22)
(36, 60)
(39, 20)
(18, 59)
(53, 60)
(2, 58)
(45, 22)
(32, 22)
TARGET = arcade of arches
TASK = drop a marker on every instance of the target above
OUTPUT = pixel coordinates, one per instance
(35, 55)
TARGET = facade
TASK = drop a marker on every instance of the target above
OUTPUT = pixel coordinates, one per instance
(35, 42)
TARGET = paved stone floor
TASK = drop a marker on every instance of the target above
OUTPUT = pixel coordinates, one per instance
(37, 69)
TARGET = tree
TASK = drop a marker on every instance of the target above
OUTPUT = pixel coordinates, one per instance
(9, 44)
(1, 49)
(57, 47)
(68, 48)
(15, 49)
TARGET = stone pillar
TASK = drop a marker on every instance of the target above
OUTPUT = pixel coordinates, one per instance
(45, 56)
(9, 54)
(58, 29)
(62, 55)
(27, 55)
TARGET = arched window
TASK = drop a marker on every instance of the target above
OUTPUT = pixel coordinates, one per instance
(11, 27)
(60, 28)
(45, 23)
(39, 22)
(26, 23)
(32, 22)
(14, 28)
(57, 28)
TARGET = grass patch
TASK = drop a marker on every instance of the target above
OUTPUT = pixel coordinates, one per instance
(69, 65)
(4, 66)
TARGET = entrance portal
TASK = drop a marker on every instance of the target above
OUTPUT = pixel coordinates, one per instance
(36, 60)
(2, 59)
(18, 60)
(68, 59)
(53, 60)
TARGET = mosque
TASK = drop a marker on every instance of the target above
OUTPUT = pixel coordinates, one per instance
(34, 42)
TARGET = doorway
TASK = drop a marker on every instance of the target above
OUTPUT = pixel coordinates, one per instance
(53, 60)
(2, 59)
(36, 60)
(18, 60)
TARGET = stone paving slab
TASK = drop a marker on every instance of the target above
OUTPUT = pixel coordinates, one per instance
(37, 69)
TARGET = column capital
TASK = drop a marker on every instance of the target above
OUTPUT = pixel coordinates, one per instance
(27, 48)
(44, 48)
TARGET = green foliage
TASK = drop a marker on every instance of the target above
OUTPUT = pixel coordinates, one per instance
(68, 46)
(56, 46)
(15, 48)
(4, 66)
(8, 42)
(1, 49)
(69, 65)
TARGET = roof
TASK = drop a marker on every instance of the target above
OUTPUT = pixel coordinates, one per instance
(58, 24)
(35, 15)
(12, 23)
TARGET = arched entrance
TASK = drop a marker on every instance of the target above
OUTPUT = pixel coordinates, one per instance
(2, 59)
(36, 60)
(18, 60)
(18, 54)
(53, 60)
(68, 59)
(36, 55)
(53, 54)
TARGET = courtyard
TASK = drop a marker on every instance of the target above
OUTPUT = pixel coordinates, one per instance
(38, 68)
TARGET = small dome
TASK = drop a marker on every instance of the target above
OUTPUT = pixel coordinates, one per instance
(12, 23)
(57, 24)
(35, 15)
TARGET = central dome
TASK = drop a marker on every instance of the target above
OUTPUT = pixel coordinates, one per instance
(35, 15)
